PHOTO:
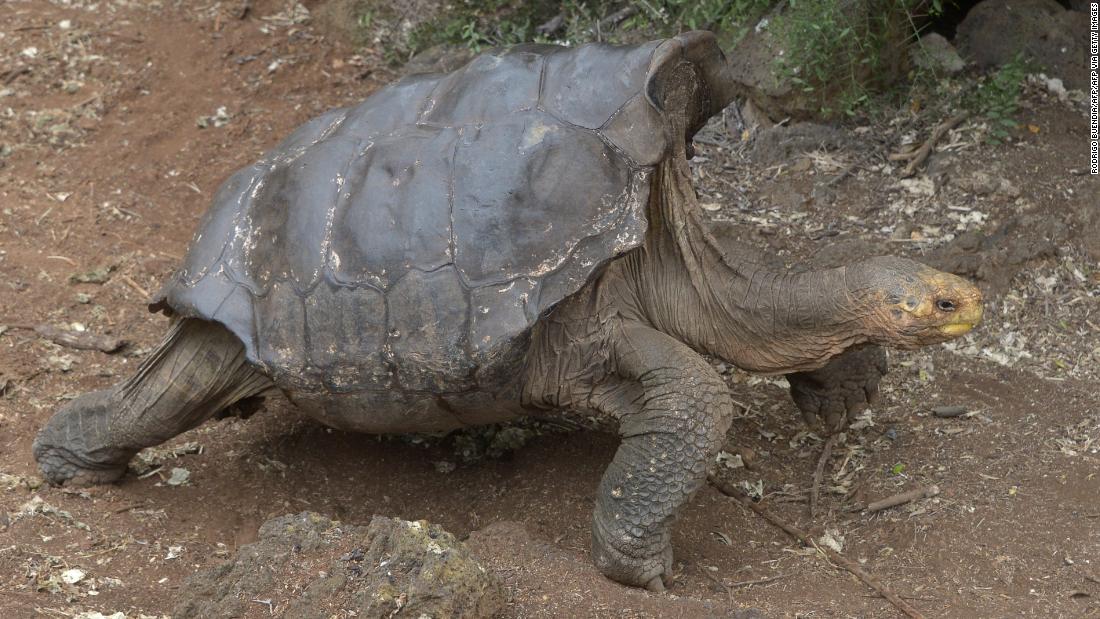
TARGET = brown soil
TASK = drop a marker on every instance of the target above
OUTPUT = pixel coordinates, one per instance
(99, 107)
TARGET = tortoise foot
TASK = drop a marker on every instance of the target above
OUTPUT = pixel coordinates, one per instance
(74, 447)
(834, 395)
(631, 565)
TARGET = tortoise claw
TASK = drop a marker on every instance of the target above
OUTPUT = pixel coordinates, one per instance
(656, 585)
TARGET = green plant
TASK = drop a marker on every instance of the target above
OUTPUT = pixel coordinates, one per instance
(997, 97)
(673, 16)
(365, 19)
(480, 24)
(477, 25)
(847, 53)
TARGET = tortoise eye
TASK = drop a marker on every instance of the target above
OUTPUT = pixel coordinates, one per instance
(945, 305)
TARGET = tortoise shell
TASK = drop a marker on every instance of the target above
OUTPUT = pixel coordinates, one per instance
(412, 241)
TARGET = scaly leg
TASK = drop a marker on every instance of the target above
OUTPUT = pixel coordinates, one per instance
(673, 410)
(198, 370)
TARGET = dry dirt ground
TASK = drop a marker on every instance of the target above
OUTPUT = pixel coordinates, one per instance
(105, 169)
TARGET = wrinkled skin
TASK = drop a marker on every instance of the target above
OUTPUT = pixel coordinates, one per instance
(197, 372)
(628, 346)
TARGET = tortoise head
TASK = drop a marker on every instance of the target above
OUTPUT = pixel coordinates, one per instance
(911, 305)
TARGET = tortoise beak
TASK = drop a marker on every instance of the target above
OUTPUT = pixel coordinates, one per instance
(957, 328)
(966, 318)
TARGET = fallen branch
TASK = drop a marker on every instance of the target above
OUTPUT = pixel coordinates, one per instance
(9, 76)
(819, 472)
(834, 556)
(904, 597)
(903, 498)
(728, 588)
(905, 155)
(714, 579)
(916, 158)
(758, 581)
(127, 508)
(80, 340)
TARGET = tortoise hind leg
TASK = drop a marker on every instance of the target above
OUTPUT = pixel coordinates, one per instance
(197, 371)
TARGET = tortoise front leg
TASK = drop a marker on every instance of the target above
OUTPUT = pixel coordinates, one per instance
(673, 412)
(197, 371)
(840, 390)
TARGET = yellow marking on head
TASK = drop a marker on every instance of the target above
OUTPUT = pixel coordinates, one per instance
(956, 329)
(922, 310)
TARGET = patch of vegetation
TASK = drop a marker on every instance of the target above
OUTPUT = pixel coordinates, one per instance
(997, 97)
(729, 18)
(478, 24)
(852, 55)
(482, 24)
(848, 53)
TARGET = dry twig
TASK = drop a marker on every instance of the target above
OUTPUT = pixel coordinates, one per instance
(130, 282)
(80, 340)
(819, 472)
(758, 581)
(903, 498)
(917, 157)
(834, 556)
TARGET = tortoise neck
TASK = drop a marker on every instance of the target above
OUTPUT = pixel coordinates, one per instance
(723, 300)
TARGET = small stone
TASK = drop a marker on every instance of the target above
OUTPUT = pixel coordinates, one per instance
(935, 53)
(748, 457)
(178, 477)
(949, 411)
(220, 118)
(62, 362)
(73, 575)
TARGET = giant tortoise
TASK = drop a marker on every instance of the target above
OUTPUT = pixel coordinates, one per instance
(518, 237)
